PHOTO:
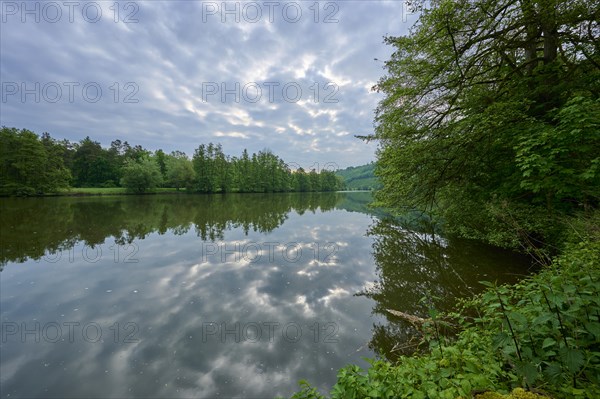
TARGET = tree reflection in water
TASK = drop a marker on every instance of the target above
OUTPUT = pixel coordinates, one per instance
(33, 227)
(412, 265)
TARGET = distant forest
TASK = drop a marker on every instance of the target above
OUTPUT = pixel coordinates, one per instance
(36, 165)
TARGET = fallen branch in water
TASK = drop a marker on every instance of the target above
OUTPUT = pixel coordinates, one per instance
(416, 321)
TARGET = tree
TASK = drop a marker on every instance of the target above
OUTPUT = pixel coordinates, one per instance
(243, 172)
(315, 184)
(161, 157)
(93, 166)
(56, 174)
(223, 174)
(492, 102)
(180, 171)
(329, 181)
(28, 165)
(32, 164)
(207, 177)
(141, 175)
(303, 182)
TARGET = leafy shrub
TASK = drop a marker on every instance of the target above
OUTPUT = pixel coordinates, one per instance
(548, 327)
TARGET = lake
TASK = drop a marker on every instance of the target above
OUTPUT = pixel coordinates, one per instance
(215, 295)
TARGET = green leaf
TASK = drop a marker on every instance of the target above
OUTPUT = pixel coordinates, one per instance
(543, 318)
(593, 328)
(572, 358)
(528, 371)
(466, 386)
(501, 339)
(553, 371)
(518, 318)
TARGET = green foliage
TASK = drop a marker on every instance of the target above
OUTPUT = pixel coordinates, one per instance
(179, 171)
(459, 369)
(161, 160)
(211, 168)
(264, 172)
(141, 175)
(562, 160)
(490, 108)
(503, 223)
(30, 165)
(359, 177)
(34, 166)
(548, 327)
(91, 165)
(307, 392)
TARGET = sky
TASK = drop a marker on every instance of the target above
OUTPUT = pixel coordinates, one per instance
(294, 77)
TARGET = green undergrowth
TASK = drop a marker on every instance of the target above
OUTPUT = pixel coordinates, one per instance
(541, 336)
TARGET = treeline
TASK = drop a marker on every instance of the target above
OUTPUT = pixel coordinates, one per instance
(35, 165)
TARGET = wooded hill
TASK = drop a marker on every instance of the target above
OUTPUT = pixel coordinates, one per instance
(359, 177)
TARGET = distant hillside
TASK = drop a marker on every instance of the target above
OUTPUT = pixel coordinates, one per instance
(359, 177)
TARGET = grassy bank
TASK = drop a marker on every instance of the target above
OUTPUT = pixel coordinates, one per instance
(538, 338)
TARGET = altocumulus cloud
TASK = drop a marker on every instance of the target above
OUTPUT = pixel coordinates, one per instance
(291, 76)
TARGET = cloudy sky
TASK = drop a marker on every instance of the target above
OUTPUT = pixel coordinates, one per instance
(293, 76)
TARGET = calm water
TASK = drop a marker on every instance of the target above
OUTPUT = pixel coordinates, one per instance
(213, 296)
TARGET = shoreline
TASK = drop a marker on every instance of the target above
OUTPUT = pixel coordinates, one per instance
(117, 191)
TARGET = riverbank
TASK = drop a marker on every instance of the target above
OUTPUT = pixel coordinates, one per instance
(541, 335)
(99, 191)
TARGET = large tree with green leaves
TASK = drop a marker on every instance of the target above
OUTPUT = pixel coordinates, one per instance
(492, 104)
(179, 170)
(141, 175)
(30, 165)
(93, 166)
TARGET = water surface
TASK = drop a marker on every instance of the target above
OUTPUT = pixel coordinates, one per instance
(213, 296)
